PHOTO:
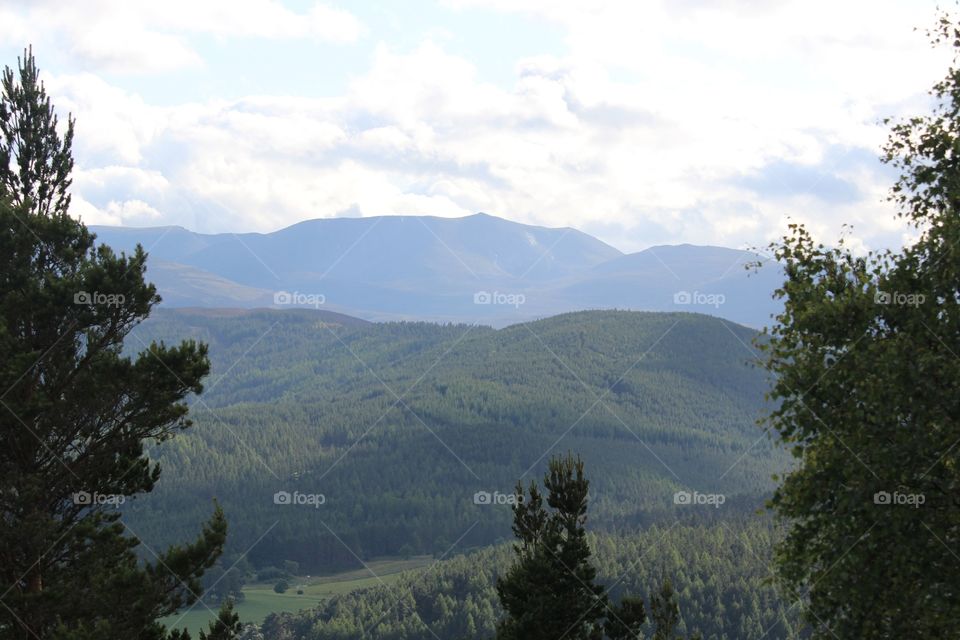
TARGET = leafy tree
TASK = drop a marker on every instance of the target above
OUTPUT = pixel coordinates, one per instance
(75, 411)
(269, 573)
(865, 357)
(281, 586)
(550, 591)
(221, 584)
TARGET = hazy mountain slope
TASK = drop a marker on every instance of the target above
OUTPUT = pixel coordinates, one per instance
(477, 268)
(414, 251)
(712, 280)
(181, 285)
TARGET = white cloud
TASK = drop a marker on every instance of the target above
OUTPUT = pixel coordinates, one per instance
(140, 36)
(130, 49)
(127, 212)
(644, 129)
(113, 126)
(142, 181)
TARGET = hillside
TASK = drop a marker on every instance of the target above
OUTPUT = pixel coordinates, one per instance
(399, 425)
(720, 572)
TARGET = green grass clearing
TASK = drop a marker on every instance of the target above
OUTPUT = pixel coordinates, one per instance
(260, 599)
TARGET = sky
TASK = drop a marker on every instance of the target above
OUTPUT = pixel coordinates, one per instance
(640, 122)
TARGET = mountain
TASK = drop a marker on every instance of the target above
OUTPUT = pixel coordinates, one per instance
(399, 425)
(476, 268)
(705, 279)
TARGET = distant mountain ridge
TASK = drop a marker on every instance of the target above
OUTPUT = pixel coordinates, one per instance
(478, 268)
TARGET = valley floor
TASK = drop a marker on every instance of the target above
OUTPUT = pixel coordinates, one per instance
(261, 600)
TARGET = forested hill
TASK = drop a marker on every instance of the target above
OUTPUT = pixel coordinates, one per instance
(399, 425)
(721, 573)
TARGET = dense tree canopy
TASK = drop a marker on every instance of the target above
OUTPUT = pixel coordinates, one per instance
(719, 578)
(296, 402)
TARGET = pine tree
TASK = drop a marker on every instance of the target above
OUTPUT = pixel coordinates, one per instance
(665, 612)
(35, 163)
(550, 592)
(77, 412)
(226, 627)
